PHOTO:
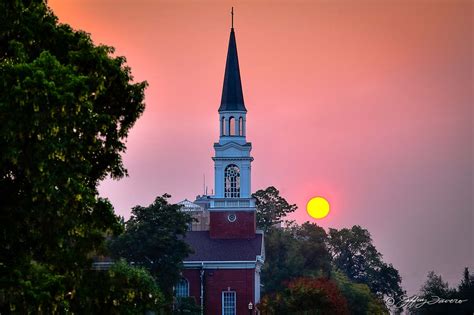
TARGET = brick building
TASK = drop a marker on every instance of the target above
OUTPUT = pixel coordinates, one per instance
(223, 273)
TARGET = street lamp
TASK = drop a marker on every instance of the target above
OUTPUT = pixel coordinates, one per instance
(250, 308)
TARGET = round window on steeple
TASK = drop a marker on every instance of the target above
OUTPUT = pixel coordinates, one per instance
(232, 217)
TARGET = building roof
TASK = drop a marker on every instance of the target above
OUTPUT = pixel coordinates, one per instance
(189, 206)
(207, 249)
(232, 95)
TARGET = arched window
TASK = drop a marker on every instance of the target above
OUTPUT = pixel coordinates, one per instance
(241, 126)
(232, 181)
(231, 126)
(223, 126)
(182, 288)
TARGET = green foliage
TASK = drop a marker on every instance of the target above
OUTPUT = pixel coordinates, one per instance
(153, 239)
(354, 254)
(271, 207)
(38, 288)
(306, 296)
(123, 289)
(186, 305)
(302, 250)
(359, 298)
(66, 107)
(294, 252)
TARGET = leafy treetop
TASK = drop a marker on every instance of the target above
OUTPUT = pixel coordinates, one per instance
(271, 207)
(66, 107)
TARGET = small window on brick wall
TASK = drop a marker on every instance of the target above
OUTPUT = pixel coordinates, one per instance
(182, 288)
(228, 303)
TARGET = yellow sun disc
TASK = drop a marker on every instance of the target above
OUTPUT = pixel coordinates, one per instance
(318, 207)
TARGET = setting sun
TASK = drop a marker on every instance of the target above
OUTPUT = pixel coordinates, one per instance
(318, 207)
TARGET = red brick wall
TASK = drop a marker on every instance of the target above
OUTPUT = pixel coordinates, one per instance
(239, 280)
(242, 281)
(243, 227)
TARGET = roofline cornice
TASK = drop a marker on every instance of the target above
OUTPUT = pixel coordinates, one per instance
(193, 264)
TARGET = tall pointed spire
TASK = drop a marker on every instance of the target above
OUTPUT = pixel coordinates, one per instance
(232, 95)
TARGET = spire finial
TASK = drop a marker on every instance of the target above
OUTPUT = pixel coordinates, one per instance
(232, 14)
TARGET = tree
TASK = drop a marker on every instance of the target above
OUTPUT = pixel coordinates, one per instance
(360, 300)
(434, 288)
(186, 305)
(312, 245)
(354, 254)
(294, 252)
(271, 207)
(123, 289)
(282, 260)
(66, 107)
(466, 287)
(153, 239)
(466, 292)
(306, 296)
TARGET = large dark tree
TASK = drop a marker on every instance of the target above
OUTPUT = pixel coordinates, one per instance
(271, 207)
(354, 254)
(293, 252)
(66, 107)
(466, 290)
(153, 239)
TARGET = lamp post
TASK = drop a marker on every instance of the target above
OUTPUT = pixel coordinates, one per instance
(250, 308)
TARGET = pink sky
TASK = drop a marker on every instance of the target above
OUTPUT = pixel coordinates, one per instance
(368, 103)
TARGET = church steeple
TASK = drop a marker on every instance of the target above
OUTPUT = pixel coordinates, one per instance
(232, 96)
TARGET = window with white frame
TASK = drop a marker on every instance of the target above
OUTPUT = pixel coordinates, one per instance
(232, 181)
(228, 303)
(182, 288)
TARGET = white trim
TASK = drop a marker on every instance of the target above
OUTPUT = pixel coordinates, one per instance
(257, 286)
(220, 264)
(234, 209)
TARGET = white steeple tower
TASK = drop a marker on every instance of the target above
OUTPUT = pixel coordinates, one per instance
(232, 161)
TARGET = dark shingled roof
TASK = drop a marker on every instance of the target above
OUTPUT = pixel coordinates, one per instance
(232, 96)
(207, 249)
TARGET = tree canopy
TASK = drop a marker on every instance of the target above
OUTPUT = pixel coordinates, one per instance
(347, 257)
(153, 239)
(355, 255)
(298, 251)
(66, 107)
(306, 296)
(294, 252)
(442, 299)
(122, 289)
(271, 207)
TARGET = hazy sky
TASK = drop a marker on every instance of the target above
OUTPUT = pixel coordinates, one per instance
(368, 103)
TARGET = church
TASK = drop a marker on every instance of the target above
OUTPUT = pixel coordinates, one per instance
(222, 275)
